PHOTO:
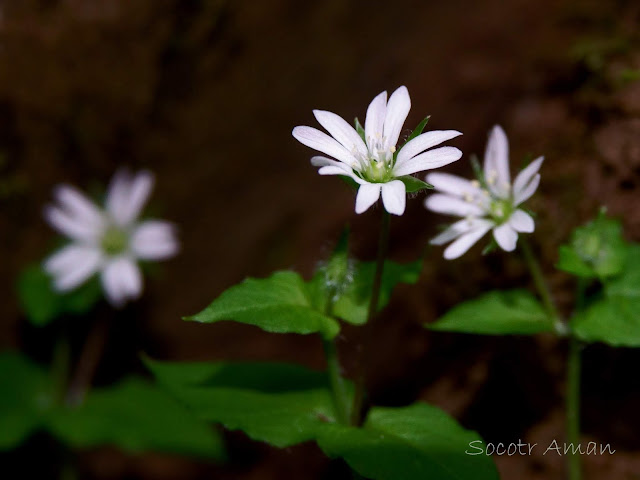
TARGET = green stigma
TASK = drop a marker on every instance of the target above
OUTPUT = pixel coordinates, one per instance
(501, 210)
(114, 241)
(378, 172)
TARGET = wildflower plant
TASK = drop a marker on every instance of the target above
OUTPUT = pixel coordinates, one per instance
(284, 405)
(604, 264)
(63, 292)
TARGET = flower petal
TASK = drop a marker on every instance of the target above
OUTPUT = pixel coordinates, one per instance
(368, 194)
(506, 237)
(397, 111)
(320, 141)
(79, 206)
(521, 221)
(341, 131)
(428, 160)
(452, 206)
(340, 170)
(453, 185)
(71, 226)
(154, 240)
(319, 161)
(525, 194)
(376, 113)
(141, 188)
(394, 197)
(127, 196)
(466, 241)
(121, 281)
(496, 162)
(456, 229)
(423, 142)
(526, 175)
(73, 265)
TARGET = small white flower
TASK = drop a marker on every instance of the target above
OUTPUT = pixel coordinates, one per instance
(373, 163)
(491, 203)
(109, 240)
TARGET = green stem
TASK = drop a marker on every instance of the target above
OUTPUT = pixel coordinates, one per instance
(338, 384)
(541, 286)
(88, 363)
(60, 366)
(573, 406)
(383, 244)
(573, 388)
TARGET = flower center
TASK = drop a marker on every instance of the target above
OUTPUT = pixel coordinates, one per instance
(377, 166)
(501, 210)
(377, 172)
(114, 241)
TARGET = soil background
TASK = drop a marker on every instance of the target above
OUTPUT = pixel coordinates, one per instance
(205, 94)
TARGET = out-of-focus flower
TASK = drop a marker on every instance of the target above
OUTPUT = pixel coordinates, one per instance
(369, 157)
(489, 203)
(108, 241)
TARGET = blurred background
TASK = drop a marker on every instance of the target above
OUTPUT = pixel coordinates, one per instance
(205, 93)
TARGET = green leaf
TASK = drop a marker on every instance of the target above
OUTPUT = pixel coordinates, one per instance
(282, 405)
(414, 184)
(416, 131)
(24, 399)
(135, 416)
(360, 130)
(614, 321)
(570, 262)
(353, 304)
(615, 318)
(596, 249)
(42, 304)
(627, 284)
(415, 442)
(512, 312)
(278, 304)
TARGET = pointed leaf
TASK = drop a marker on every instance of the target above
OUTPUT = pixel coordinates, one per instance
(415, 442)
(414, 184)
(279, 304)
(282, 405)
(136, 416)
(513, 312)
(597, 249)
(615, 318)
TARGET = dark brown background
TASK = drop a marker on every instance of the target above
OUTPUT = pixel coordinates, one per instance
(205, 93)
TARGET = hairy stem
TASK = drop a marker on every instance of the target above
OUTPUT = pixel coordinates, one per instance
(358, 397)
(541, 286)
(337, 382)
(88, 362)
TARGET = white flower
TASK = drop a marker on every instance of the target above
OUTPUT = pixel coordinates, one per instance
(109, 240)
(373, 163)
(489, 203)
